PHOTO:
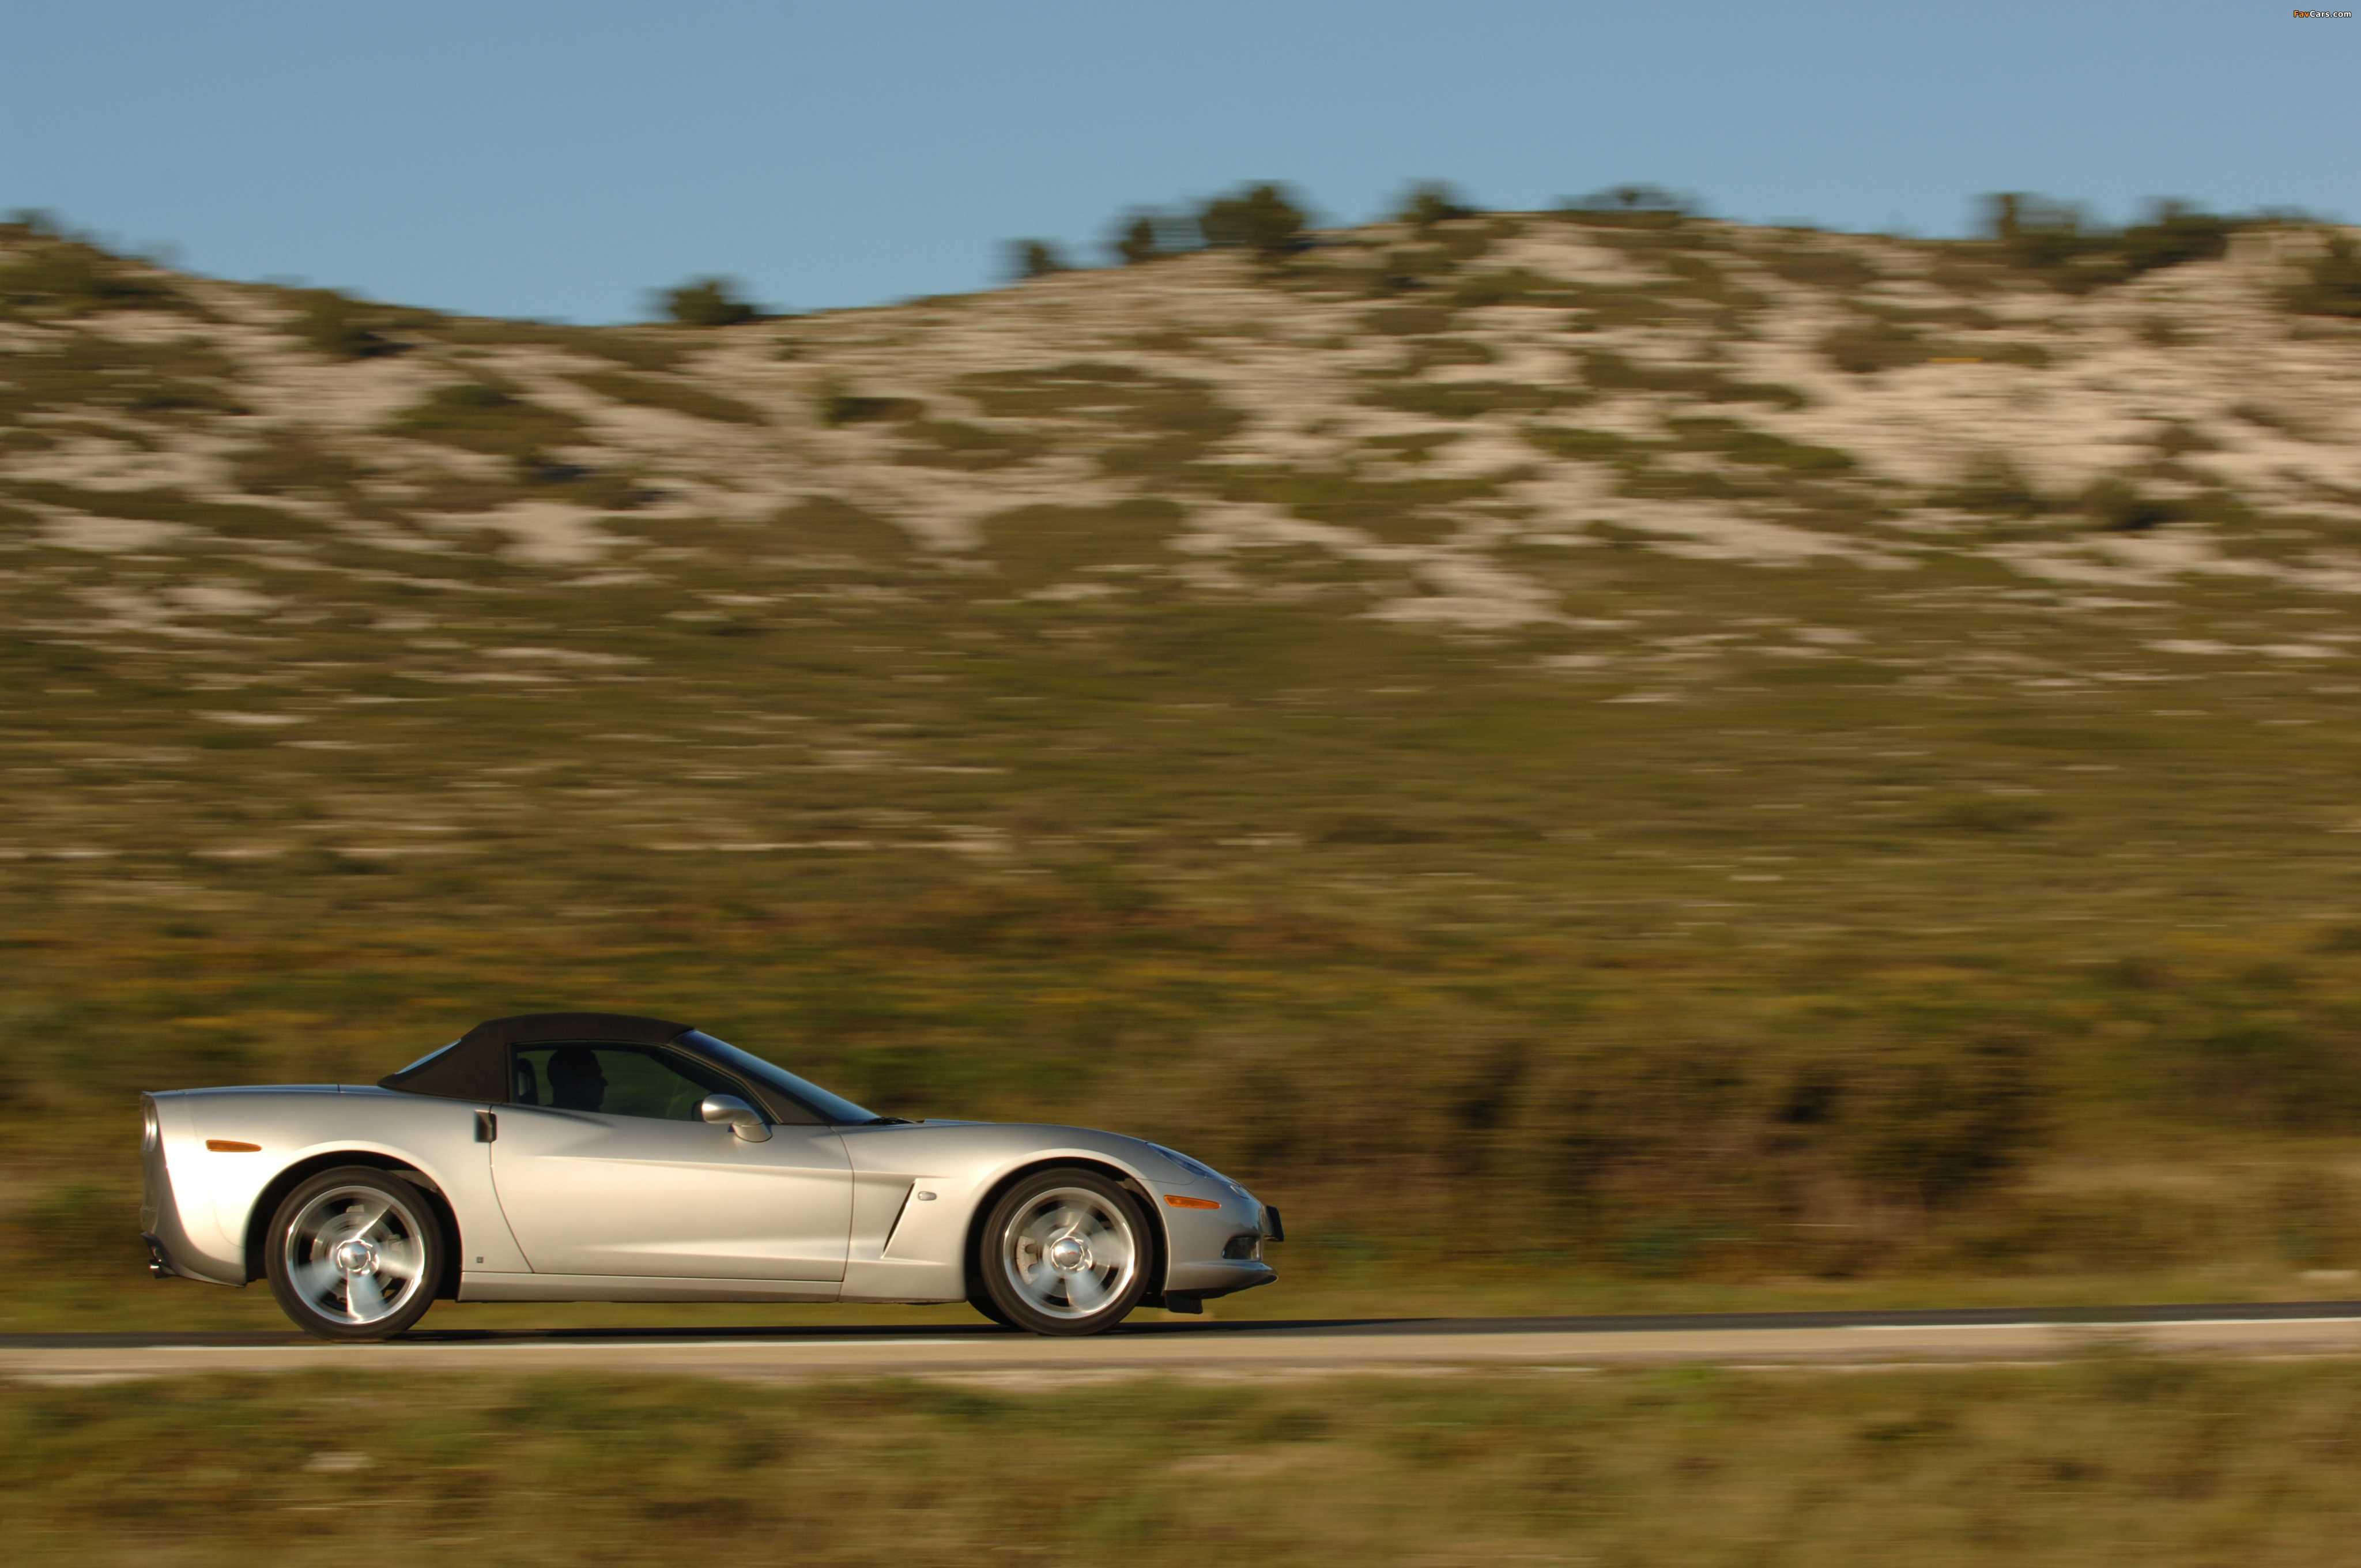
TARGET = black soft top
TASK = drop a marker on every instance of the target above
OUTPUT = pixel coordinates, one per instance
(475, 1066)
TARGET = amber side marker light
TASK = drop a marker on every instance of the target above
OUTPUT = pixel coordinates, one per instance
(231, 1145)
(1180, 1203)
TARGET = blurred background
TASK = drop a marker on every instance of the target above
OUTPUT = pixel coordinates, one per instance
(1711, 713)
(1750, 759)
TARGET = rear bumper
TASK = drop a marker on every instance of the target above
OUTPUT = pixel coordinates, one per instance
(171, 1252)
(160, 1257)
(172, 1257)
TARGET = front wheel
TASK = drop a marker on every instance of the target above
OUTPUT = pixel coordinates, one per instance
(354, 1255)
(1064, 1252)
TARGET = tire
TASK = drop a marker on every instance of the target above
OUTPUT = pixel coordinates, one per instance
(1065, 1252)
(353, 1254)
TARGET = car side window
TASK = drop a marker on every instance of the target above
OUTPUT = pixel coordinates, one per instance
(619, 1081)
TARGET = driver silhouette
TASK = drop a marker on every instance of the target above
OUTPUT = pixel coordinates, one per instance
(576, 1082)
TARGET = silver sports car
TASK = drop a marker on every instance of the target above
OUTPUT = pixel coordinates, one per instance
(590, 1157)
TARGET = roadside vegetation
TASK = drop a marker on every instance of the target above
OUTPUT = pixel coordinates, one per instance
(2105, 1456)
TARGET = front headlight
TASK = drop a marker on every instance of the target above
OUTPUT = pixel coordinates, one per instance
(152, 1132)
(1199, 1167)
(1193, 1166)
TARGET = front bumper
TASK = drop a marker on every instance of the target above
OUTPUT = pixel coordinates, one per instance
(1216, 1251)
(1204, 1281)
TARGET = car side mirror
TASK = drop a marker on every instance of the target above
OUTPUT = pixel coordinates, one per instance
(744, 1119)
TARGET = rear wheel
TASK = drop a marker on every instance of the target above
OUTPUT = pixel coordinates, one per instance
(1064, 1252)
(354, 1255)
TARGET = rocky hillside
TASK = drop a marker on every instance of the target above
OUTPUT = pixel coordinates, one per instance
(1402, 418)
(1541, 463)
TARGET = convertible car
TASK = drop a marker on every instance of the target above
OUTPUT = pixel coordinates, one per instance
(590, 1157)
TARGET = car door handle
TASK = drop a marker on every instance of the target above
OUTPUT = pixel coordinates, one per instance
(487, 1127)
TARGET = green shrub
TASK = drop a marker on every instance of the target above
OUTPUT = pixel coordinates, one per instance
(2179, 438)
(85, 369)
(1584, 445)
(1428, 352)
(1864, 348)
(1629, 207)
(1993, 484)
(1260, 219)
(649, 393)
(1143, 237)
(2037, 234)
(292, 463)
(953, 444)
(1393, 509)
(31, 223)
(1818, 267)
(2119, 507)
(708, 301)
(1612, 372)
(1742, 443)
(340, 328)
(1470, 400)
(2056, 241)
(1036, 545)
(2332, 282)
(1691, 1128)
(1433, 202)
(2283, 1076)
(1416, 446)
(1138, 243)
(634, 347)
(1035, 258)
(1412, 267)
(1409, 320)
(2030, 355)
(1608, 308)
(475, 417)
(2277, 421)
(2175, 232)
(1939, 1126)
(235, 519)
(70, 280)
(1146, 423)
(532, 480)
(835, 527)
(1519, 286)
(837, 406)
(173, 396)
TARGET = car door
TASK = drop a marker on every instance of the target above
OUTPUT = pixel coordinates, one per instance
(604, 1166)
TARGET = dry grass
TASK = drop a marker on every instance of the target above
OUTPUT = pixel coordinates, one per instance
(2113, 1456)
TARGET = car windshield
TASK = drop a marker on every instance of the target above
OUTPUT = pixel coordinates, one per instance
(835, 1108)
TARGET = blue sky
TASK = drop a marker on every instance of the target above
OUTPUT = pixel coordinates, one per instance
(563, 159)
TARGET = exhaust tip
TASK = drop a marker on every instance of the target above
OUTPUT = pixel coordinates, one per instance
(159, 1262)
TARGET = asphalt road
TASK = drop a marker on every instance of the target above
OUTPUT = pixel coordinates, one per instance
(1265, 1348)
